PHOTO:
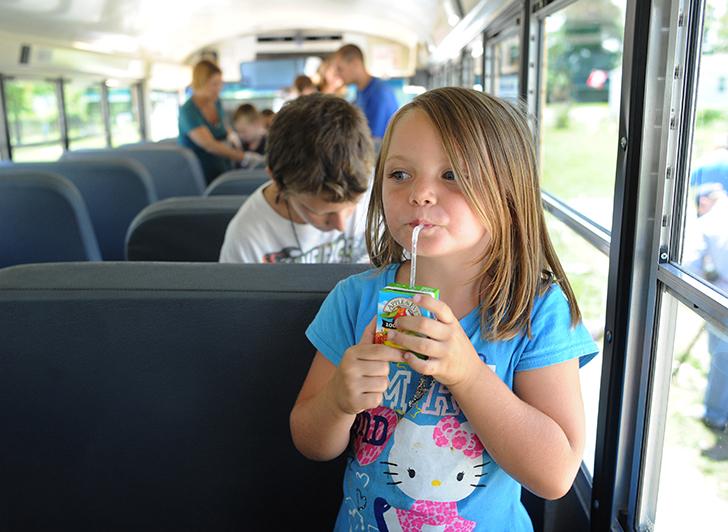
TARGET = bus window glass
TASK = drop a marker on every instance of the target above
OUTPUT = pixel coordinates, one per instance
(84, 115)
(123, 113)
(587, 270)
(705, 248)
(580, 105)
(32, 114)
(488, 66)
(506, 58)
(163, 115)
(693, 476)
(475, 49)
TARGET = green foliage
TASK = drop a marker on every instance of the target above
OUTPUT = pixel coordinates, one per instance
(577, 48)
(706, 117)
(563, 120)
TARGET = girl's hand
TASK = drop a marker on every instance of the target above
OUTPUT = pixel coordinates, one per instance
(362, 377)
(452, 358)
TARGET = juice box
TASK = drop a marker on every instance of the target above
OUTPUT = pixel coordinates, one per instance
(395, 301)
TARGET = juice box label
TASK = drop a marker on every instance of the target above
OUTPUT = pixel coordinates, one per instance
(395, 301)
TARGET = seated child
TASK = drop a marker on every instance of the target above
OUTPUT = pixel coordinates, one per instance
(266, 117)
(248, 125)
(303, 86)
(320, 160)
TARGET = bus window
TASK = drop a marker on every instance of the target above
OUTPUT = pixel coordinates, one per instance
(84, 115)
(163, 115)
(587, 270)
(475, 51)
(705, 248)
(124, 115)
(506, 56)
(692, 465)
(32, 114)
(580, 105)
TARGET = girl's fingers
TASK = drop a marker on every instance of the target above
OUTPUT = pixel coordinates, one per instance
(429, 327)
(376, 368)
(418, 344)
(374, 384)
(423, 367)
(441, 311)
(378, 352)
(367, 336)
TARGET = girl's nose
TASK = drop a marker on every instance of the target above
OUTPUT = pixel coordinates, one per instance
(422, 194)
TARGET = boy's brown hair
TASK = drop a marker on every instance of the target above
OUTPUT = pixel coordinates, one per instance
(491, 152)
(303, 82)
(247, 111)
(320, 144)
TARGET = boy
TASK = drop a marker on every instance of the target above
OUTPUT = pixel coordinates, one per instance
(248, 125)
(320, 159)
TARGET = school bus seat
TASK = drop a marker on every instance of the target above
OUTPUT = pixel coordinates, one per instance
(115, 190)
(42, 219)
(236, 182)
(148, 396)
(175, 170)
(181, 229)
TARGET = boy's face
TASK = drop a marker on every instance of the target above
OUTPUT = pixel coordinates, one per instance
(323, 215)
(247, 130)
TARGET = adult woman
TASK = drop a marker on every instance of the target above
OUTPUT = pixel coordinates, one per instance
(201, 127)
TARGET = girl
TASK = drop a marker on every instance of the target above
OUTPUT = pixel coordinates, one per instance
(446, 442)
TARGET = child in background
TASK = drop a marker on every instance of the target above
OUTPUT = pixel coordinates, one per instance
(248, 125)
(448, 441)
(320, 160)
(266, 118)
(304, 86)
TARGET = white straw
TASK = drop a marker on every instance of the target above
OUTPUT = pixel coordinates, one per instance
(413, 270)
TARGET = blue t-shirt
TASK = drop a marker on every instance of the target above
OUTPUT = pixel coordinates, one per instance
(428, 467)
(379, 103)
(190, 117)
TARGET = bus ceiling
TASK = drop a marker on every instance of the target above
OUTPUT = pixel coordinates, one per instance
(123, 38)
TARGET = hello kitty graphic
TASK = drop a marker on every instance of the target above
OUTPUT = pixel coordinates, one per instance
(436, 466)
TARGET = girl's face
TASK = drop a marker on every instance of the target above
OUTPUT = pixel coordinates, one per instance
(419, 187)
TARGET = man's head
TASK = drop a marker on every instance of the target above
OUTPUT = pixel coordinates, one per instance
(349, 61)
(706, 195)
(320, 156)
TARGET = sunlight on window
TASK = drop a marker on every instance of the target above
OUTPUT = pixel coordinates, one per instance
(580, 103)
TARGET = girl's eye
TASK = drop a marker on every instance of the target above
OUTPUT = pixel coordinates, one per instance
(398, 175)
(411, 473)
(449, 176)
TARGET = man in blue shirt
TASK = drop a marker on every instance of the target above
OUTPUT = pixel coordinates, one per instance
(373, 95)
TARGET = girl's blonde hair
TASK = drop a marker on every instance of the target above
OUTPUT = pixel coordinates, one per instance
(202, 72)
(490, 148)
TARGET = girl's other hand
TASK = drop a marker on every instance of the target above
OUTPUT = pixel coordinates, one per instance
(452, 358)
(362, 377)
